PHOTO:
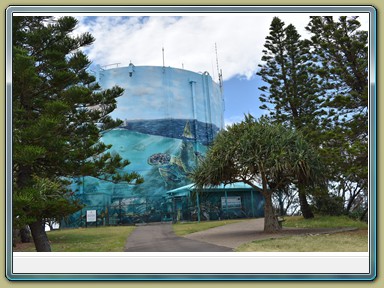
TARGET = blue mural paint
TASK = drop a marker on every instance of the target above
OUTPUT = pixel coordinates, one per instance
(158, 93)
(189, 129)
(170, 116)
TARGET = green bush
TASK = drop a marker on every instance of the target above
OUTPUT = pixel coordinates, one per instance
(359, 214)
(329, 205)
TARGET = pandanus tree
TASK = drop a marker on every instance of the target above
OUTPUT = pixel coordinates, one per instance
(260, 151)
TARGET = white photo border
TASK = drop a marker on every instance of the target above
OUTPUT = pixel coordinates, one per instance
(369, 259)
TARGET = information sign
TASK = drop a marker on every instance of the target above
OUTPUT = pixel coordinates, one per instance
(91, 215)
(231, 202)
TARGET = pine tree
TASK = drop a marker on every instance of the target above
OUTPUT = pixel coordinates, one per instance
(59, 113)
(342, 49)
(293, 95)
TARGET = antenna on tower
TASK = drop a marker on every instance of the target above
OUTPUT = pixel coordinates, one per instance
(219, 72)
(163, 58)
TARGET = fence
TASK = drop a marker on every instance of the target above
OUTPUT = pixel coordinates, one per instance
(217, 205)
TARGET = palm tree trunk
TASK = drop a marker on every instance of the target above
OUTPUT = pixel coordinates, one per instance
(270, 219)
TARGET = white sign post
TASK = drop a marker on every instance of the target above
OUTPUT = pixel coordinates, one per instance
(91, 216)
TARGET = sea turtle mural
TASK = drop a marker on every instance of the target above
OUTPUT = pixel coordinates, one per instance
(175, 168)
(170, 167)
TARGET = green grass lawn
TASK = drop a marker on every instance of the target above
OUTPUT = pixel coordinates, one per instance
(353, 241)
(112, 239)
(182, 229)
(101, 239)
(323, 222)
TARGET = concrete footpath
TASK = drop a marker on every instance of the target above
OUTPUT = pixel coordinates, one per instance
(159, 237)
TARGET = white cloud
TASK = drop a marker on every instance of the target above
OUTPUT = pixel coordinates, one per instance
(232, 120)
(189, 41)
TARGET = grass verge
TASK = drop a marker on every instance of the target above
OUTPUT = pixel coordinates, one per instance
(353, 241)
(323, 222)
(101, 239)
(182, 229)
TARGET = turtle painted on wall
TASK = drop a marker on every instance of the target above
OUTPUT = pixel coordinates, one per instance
(171, 167)
(176, 168)
(159, 159)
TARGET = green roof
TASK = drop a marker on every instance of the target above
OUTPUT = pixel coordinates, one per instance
(181, 191)
(185, 190)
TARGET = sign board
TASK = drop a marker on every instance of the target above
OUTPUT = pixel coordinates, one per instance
(91, 215)
(231, 201)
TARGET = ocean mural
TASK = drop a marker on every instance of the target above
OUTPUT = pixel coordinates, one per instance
(170, 117)
(164, 162)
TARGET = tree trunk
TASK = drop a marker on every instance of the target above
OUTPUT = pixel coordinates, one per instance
(350, 201)
(40, 237)
(282, 210)
(25, 234)
(304, 206)
(15, 237)
(270, 219)
(362, 217)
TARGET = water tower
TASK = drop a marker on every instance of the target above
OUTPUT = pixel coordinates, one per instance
(170, 116)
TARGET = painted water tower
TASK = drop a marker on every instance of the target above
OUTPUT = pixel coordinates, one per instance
(170, 116)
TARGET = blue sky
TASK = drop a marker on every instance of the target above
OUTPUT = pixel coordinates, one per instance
(241, 97)
(196, 43)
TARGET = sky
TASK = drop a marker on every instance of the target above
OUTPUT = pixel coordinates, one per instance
(232, 42)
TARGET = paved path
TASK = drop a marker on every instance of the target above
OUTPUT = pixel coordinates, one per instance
(235, 234)
(159, 237)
